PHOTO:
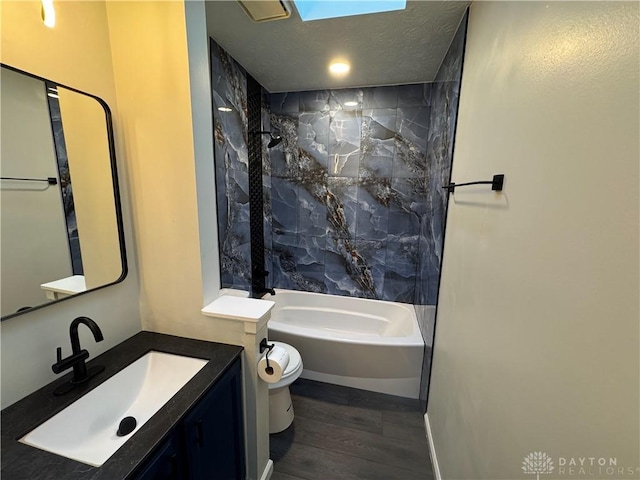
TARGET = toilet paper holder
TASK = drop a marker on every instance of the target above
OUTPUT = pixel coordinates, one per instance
(265, 346)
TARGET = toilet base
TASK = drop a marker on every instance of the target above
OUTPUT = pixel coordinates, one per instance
(280, 409)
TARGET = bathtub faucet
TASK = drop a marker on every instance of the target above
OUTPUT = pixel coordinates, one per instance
(266, 290)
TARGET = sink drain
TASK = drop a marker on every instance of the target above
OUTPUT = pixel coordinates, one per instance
(127, 425)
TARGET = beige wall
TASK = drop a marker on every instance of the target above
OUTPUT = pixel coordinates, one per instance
(537, 337)
(160, 56)
(148, 41)
(76, 53)
(90, 169)
(34, 248)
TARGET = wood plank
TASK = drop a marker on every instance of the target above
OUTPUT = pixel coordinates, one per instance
(415, 434)
(321, 391)
(401, 453)
(319, 464)
(284, 476)
(364, 419)
(381, 401)
(404, 419)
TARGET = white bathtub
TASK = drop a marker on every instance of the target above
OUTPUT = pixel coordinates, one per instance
(367, 344)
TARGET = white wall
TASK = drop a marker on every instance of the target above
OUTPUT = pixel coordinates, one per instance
(33, 234)
(537, 336)
(76, 53)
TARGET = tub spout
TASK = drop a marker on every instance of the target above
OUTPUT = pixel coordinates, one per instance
(270, 291)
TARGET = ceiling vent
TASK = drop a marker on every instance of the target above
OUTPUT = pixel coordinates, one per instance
(266, 10)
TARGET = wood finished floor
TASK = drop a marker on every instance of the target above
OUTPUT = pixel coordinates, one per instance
(344, 433)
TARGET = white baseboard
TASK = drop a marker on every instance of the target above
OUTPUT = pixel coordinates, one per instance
(268, 471)
(432, 449)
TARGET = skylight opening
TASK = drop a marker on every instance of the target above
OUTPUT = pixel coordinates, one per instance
(323, 9)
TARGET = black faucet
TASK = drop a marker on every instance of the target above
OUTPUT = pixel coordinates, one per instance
(263, 290)
(76, 360)
(258, 287)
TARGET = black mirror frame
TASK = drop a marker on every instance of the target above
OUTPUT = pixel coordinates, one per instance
(116, 195)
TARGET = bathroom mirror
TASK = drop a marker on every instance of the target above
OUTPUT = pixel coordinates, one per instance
(60, 218)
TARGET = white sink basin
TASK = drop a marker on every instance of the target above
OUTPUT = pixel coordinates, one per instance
(86, 430)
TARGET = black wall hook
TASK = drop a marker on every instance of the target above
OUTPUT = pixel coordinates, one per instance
(496, 184)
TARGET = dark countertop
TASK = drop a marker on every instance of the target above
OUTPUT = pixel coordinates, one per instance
(20, 461)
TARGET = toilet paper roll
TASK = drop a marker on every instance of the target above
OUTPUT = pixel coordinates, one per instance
(278, 361)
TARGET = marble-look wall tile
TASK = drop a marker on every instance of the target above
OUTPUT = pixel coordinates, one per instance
(313, 135)
(413, 95)
(311, 254)
(443, 100)
(358, 181)
(231, 161)
(342, 204)
(314, 101)
(412, 125)
(380, 97)
(377, 143)
(344, 143)
(312, 213)
(374, 255)
(407, 208)
(402, 263)
(267, 211)
(346, 99)
(284, 206)
(284, 156)
(372, 215)
(298, 262)
(285, 102)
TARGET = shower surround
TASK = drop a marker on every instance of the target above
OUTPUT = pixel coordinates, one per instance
(352, 198)
(349, 189)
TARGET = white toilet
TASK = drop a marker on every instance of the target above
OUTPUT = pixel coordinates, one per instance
(280, 406)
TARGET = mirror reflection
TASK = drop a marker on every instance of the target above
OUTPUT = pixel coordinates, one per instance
(61, 229)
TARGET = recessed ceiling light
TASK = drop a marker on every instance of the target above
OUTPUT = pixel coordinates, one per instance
(339, 69)
(225, 109)
(350, 104)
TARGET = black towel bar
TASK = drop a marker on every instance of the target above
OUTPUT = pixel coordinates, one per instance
(496, 184)
(49, 180)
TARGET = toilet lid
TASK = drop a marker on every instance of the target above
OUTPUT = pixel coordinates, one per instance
(294, 358)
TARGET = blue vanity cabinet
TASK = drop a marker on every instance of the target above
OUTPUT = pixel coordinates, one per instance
(209, 443)
(214, 438)
(167, 463)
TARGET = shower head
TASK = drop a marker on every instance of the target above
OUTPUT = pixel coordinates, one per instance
(275, 140)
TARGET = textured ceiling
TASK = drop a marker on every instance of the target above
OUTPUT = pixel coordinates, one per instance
(384, 49)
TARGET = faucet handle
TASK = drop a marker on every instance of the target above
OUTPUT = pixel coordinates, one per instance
(59, 354)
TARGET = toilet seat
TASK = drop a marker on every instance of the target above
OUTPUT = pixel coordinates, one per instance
(293, 370)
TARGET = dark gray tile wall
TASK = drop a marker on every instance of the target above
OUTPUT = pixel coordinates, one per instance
(348, 190)
(65, 182)
(229, 83)
(442, 123)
